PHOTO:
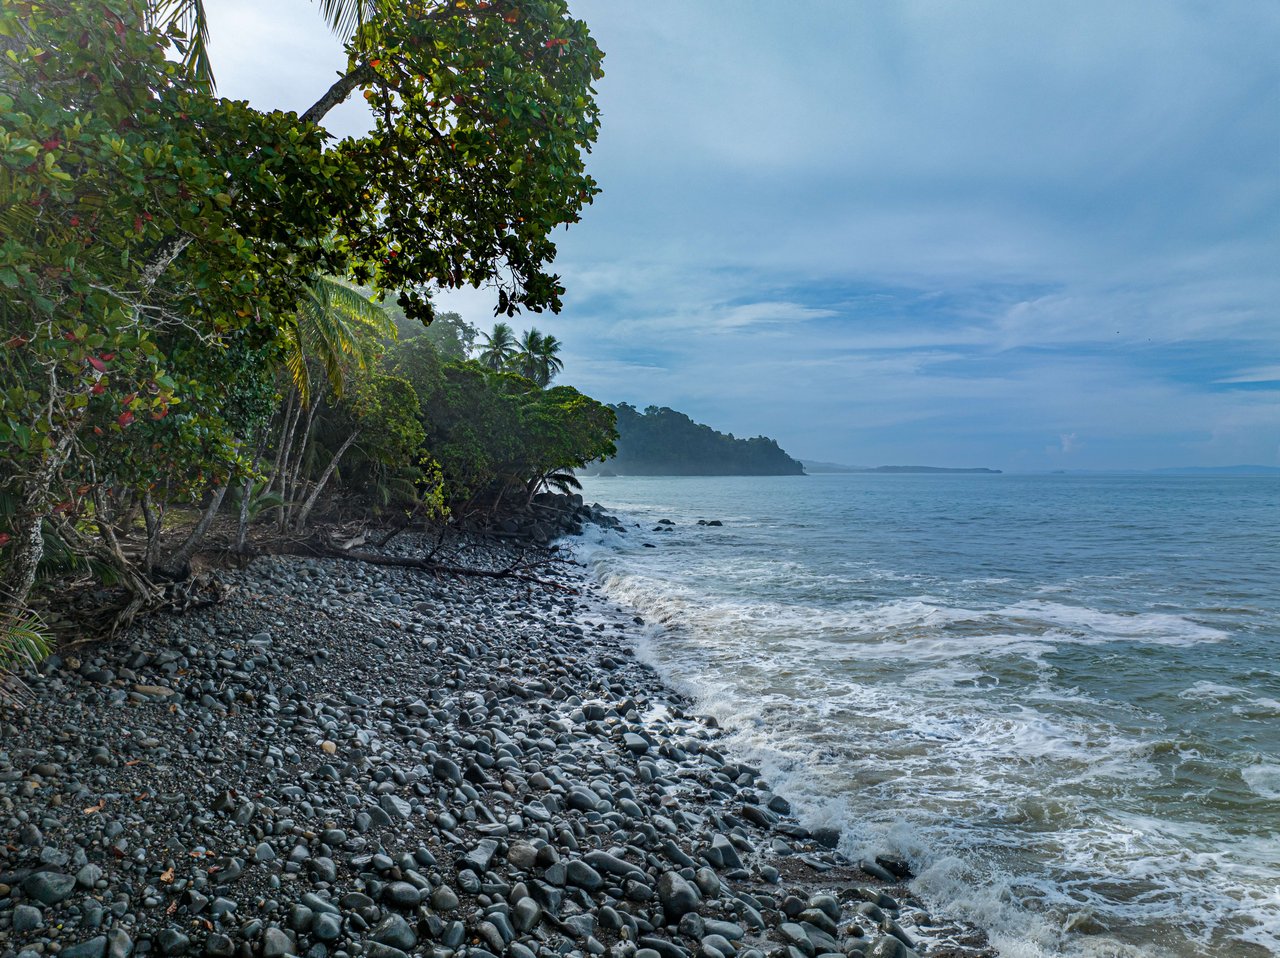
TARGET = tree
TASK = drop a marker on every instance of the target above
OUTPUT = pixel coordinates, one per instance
(333, 327)
(499, 347)
(549, 362)
(148, 225)
(111, 166)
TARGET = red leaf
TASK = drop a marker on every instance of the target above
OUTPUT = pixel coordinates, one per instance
(125, 418)
(98, 389)
(107, 357)
(4, 539)
(97, 364)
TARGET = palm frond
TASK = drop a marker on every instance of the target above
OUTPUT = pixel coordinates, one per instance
(187, 17)
(24, 641)
(347, 18)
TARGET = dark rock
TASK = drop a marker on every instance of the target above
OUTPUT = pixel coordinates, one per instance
(93, 948)
(678, 897)
(395, 931)
(276, 943)
(49, 888)
(172, 942)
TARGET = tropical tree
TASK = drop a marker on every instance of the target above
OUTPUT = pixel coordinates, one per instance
(499, 347)
(528, 358)
(334, 328)
(147, 226)
(537, 357)
(549, 362)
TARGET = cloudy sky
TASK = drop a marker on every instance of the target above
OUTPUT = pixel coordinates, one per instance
(1027, 235)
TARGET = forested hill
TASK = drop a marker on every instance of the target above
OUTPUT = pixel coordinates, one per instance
(663, 442)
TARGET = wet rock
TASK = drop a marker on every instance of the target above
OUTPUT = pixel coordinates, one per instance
(395, 931)
(49, 888)
(678, 897)
(93, 948)
(27, 918)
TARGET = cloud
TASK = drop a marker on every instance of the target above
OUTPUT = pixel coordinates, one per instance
(912, 232)
(1259, 374)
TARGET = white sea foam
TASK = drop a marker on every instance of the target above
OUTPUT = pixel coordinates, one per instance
(1263, 778)
(895, 718)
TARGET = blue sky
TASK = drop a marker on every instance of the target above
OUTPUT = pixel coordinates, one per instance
(1016, 234)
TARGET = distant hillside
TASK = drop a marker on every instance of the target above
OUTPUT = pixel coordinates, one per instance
(817, 467)
(663, 442)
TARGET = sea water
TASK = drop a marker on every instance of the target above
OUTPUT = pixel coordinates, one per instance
(1057, 696)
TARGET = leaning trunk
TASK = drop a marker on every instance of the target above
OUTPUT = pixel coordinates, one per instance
(178, 565)
(307, 506)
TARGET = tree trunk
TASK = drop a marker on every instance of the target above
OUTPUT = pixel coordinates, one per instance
(307, 506)
(155, 526)
(26, 548)
(290, 422)
(298, 460)
(178, 565)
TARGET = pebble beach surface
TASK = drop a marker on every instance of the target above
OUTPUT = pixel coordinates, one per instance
(343, 759)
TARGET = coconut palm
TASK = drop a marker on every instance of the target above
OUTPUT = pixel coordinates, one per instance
(528, 358)
(336, 326)
(549, 358)
(499, 347)
(538, 357)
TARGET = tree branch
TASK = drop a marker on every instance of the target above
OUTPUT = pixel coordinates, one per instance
(338, 93)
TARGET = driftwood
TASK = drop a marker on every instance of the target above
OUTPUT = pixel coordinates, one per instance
(515, 571)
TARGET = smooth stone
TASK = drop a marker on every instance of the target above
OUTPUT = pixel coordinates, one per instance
(27, 918)
(93, 948)
(172, 942)
(326, 927)
(402, 895)
(581, 874)
(219, 946)
(275, 943)
(444, 899)
(395, 931)
(678, 897)
(49, 888)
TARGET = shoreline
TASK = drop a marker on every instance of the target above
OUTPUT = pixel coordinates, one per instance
(344, 759)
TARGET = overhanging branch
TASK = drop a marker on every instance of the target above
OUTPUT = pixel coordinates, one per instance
(338, 93)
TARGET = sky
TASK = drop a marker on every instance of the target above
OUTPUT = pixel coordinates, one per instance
(1022, 235)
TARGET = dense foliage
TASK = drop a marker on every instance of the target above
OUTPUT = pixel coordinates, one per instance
(185, 281)
(497, 436)
(663, 442)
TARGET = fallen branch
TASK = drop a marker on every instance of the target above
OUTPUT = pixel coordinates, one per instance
(513, 572)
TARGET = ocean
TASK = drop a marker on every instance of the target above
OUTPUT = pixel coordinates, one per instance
(1057, 696)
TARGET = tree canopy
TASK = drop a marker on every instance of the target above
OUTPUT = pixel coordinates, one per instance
(179, 272)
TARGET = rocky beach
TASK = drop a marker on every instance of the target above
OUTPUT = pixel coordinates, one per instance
(343, 759)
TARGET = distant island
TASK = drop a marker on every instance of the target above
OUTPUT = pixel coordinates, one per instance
(664, 442)
(815, 467)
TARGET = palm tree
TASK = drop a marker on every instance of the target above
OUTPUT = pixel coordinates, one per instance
(550, 362)
(337, 326)
(528, 359)
(499, 347)
(538, 358)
